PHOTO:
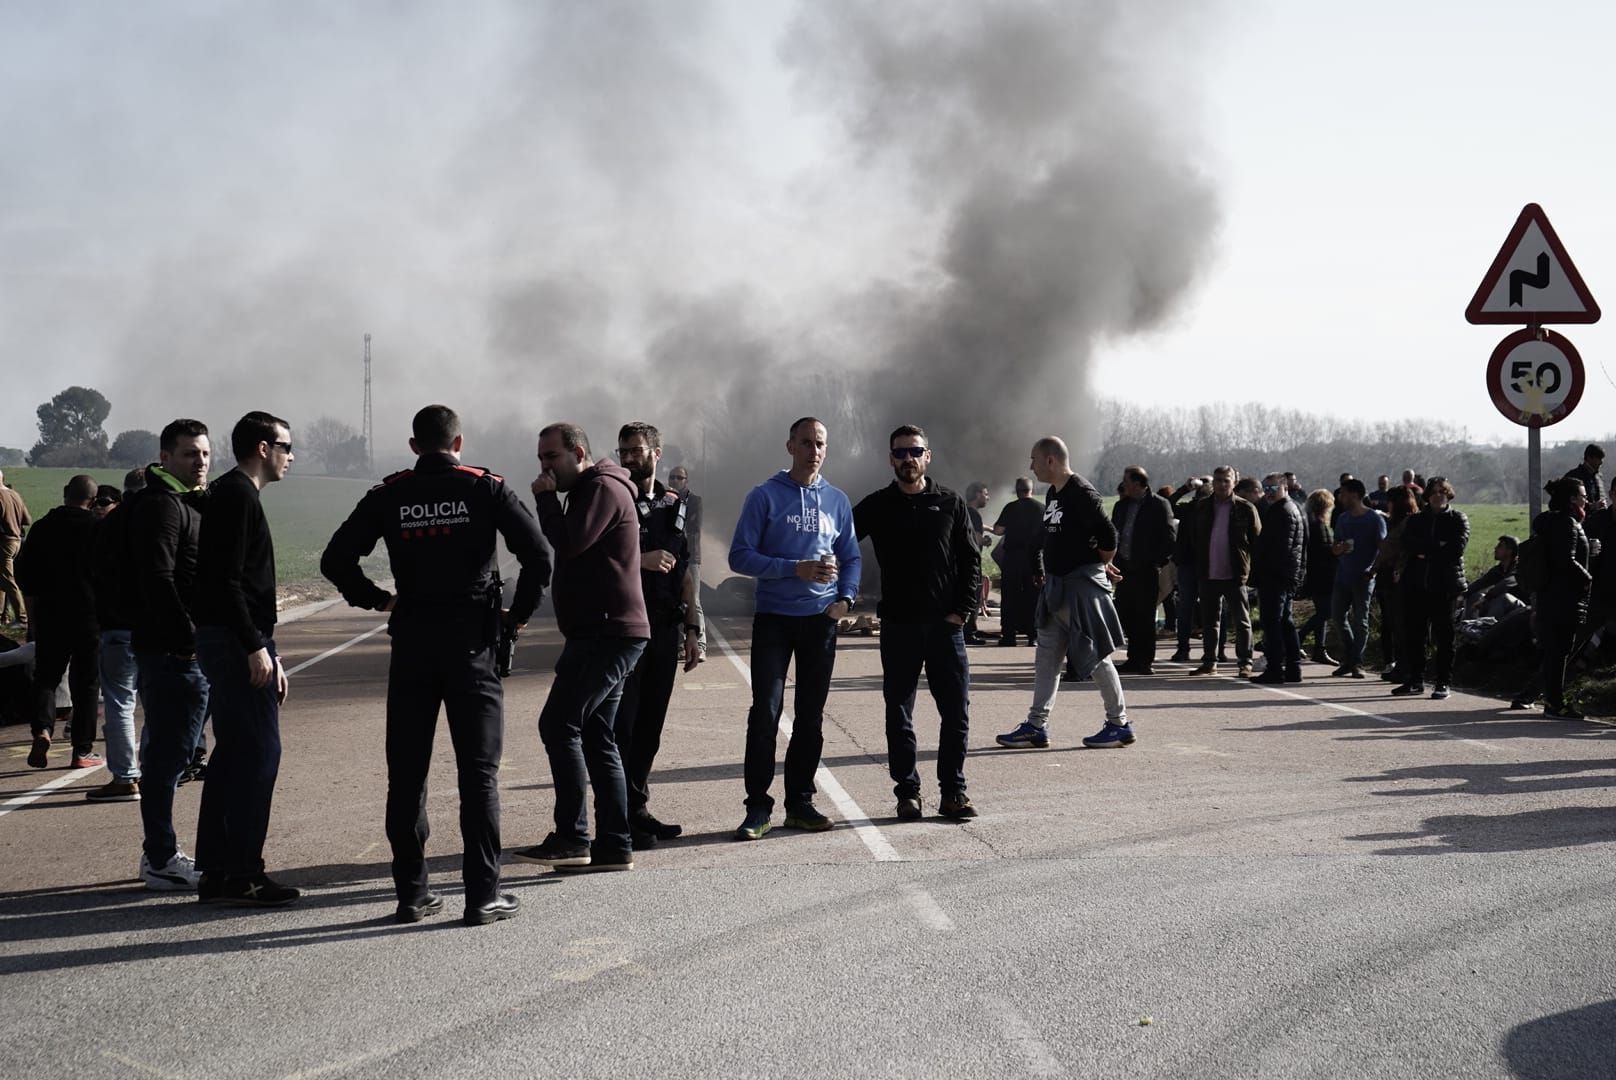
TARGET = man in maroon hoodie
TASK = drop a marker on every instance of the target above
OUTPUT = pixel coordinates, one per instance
(601, 611)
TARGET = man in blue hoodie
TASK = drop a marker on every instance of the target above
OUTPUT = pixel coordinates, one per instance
(795, 535)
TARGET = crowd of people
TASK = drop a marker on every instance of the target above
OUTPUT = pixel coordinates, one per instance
(166, 591)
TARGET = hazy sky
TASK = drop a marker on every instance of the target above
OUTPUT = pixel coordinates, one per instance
(187, 190)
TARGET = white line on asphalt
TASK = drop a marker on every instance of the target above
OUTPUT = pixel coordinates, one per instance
(139, 1066)
(350, 643)
(1489, 747)
(926, 906)
(45, 789)
(1020, 1033)
(866, 829)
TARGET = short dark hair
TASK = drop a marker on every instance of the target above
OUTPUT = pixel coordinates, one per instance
(801, 420)
(79, 489)
(1510, 542)
(133, 481)
(652, 437)
(108, 494)
(1023, 486)
(1137, 474)
(1594, 450)
(975, 488)
(435, 427)
(180, 429)
(252, 429)
(1353, 486)
(1561, 490)
(572, 436)
(904, 431)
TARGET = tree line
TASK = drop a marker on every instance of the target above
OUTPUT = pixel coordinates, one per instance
(72, 434)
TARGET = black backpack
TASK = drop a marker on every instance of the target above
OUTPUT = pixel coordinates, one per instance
(1532, 564)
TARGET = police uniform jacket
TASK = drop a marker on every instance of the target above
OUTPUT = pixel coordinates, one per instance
(439, 521)
(664, 526)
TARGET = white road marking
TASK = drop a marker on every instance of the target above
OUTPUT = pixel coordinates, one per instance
(1489, 747)
(926, 906)
(866, 829)
(350, 643)
(139, 1066)
(45, 789)
(1021, 1036)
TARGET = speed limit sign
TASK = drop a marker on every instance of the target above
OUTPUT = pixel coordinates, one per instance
(1535, 377)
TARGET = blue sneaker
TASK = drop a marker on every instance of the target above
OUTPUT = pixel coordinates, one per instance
(1111, 735)
(1027, 734)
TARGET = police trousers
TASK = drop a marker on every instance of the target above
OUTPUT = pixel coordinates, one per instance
(428, 671)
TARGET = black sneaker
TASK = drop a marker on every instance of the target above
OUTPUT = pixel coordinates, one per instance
(599, 862)
(554, 852)
(1439, 692)
(1521, 705)
(429, 905)
(956, 807)
(1342, 672)
(755, 826)
(255, 890)
(210, 888)
(1182, 656)
(909, 808)
(805, 817)
(1408, 689)
(646, 822)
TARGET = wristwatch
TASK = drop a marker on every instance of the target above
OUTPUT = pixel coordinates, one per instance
(848, 600)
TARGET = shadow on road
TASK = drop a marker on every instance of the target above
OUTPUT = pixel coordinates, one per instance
(1514, 778)
(1568, 1045)
(1530, 830)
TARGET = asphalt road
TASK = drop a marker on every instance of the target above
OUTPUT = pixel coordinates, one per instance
(1319, 882)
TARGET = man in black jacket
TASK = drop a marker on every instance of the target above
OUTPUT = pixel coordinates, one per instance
(54, 570)
(235, 644)
(1280, 568)
(163, 537)
(930, 576)
(1587, 473)
(1433, 579)
(1146, 532)
(1021, 523)
(440, 522)
(673, 606)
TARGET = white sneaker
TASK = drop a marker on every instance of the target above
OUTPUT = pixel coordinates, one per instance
(179, 874)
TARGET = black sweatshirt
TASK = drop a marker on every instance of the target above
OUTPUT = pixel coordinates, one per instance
(930, 563)
(55, 567)
(235, 564)
(1076, 528)
(162, 560)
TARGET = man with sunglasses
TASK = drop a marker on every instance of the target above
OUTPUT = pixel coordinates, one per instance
(931, 564)
(234, 611)
(673, 606)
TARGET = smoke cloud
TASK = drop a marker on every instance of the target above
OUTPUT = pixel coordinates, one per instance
(713, 217)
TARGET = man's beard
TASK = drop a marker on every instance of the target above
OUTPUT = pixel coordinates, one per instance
(909, 473)
(640, 472)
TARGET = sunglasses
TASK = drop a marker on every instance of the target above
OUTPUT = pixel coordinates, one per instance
(106, 502)
(916, 452)
(283, 445)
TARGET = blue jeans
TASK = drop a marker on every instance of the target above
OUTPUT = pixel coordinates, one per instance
(175, 694)
(1350, 608)
(576, 728)
(776, 639)
(119, 676)
(246, 758)
(939, 647)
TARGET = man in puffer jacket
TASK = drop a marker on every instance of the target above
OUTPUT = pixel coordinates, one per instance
(1281, 568)
(1434, 542)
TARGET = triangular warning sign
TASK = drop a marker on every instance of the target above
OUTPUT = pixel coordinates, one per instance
(1532, 280)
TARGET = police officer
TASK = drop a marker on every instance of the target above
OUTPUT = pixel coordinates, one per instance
(439, 521)
(673, 605)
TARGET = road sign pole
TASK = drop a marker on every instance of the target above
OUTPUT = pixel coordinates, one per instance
(1534, 471)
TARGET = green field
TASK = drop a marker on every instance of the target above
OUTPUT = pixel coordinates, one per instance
(303, 512)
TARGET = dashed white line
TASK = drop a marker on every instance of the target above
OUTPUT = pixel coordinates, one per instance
(45, 789)
(1489, 747)
(1021, 1036)
(866, 829)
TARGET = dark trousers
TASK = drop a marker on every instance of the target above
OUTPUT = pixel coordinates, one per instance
(1213, 596)
(174, 695)
(1393, 619)
(576, 727)
(1427, 615)
(1279, 629)
(426, 673)
(75, 653)
(644, 708)
(776, 640)
(1317, 626)
(1556, 638)
(246, 758)
(1189, 599)
(1018, 597)
(1136, 608)
(939, 648)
